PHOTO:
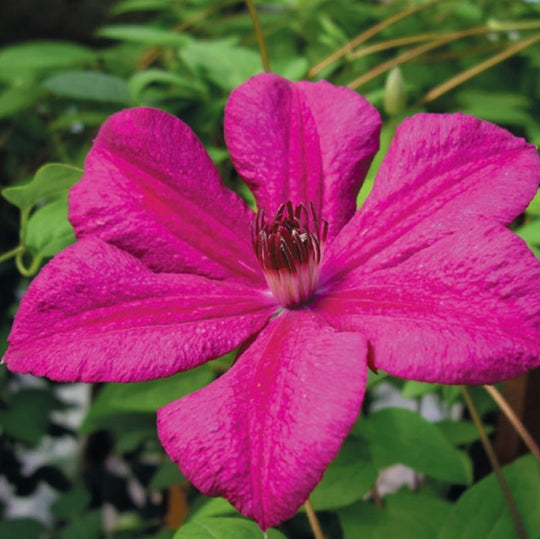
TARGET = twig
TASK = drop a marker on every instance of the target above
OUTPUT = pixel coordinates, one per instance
(514, 420)
(313, 521)
(259, 34)
(478, 68)
(494, 464)
(416, 51)
(364, 36)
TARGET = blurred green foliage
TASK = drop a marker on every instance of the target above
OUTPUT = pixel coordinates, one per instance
(185, 56)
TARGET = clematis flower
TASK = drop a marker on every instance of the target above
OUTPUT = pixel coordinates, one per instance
(172, 269)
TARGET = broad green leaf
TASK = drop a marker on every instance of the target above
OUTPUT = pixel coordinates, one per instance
(50, 181)
(224, 528)
(224, 62)
(347, 478)
(128, 6)
(460, 432)
(149, 396)
(530, 233)
(482, 511)
(71, 504)
(401, 436)
(49, 230)
(213, 507)
(143, 34)
(140, 81)
(500, 107)
(405, 514)
(88, 526)
(27, 415)
(18, 98)
(166, 475)
(21, 528)
(90, 86)
(413, 389)
(43, 56)
(534, 206)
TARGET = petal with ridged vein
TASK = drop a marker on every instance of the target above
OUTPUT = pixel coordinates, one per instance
(464, 310)
(97, 314)
(264, 432)
(150, 188)
(441, 173)
(304, 142)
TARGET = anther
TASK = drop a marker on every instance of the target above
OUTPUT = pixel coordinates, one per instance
(289, 248)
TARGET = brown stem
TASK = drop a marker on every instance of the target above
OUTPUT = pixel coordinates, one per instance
(259, 34)
(364, 36)
(490, 452)
(514, 420)
(478, 68)
(416, 51)
(313, 521)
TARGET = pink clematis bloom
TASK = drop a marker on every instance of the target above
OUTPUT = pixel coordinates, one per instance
(171, 269)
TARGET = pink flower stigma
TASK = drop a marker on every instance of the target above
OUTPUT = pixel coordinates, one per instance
(289, 248)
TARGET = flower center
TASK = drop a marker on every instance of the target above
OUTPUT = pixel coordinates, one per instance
(289, 248)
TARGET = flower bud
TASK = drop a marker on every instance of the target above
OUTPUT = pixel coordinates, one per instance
(395, 95)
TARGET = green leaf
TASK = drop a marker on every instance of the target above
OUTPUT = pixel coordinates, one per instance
(166, 475)
(530, 232)
(49, 230)
(224, 63)
(50, 181)
(401, 436)
(87, 527)
(18, 98)
(143, 34)
(88, 85)
(128, 6)
(224, 528)
(149, 396)
(413, 389)
(42, 56)
(347, 478)
(21, 528)
(71, 504)
(213, 507)
(27, 417)
(406, 515)
(183, 87)
(460, 432)
(482, 511)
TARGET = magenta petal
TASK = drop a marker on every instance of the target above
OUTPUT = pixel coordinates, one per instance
(150, 188)
(263, 434)
(304, 142)
(95, 313)
(440, 173)
(465, 310)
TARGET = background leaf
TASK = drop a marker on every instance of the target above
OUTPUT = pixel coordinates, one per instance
(397, 435)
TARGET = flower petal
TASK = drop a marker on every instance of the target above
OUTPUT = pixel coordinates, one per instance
(150, 188)
(264, 432)
(465, 310)
(303, 142)
(440, 173)
(95, 313)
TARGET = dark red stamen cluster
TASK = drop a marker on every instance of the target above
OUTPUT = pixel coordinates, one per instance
(289, 248)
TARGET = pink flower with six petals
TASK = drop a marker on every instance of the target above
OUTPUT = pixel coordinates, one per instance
(171, 269)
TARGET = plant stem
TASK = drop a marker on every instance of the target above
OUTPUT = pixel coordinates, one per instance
(313, 521)
(478, 68)
(494, 464)
(364, 36)
(10, 254)
(258, 34)
(514, 420)
(416, 51)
